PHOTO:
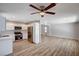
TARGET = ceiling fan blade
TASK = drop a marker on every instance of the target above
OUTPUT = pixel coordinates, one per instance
(50, 6)
(34, 13)
(34, 7)
(50, 13)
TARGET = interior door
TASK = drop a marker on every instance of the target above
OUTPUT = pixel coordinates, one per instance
(30, 33)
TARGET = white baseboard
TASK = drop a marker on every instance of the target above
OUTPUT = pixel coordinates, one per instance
(63, 36)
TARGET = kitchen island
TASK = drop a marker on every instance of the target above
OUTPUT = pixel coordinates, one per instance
(6, 45)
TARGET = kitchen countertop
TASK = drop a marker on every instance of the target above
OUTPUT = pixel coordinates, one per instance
(4, 36)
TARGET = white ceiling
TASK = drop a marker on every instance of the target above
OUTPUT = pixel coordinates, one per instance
(21, 12)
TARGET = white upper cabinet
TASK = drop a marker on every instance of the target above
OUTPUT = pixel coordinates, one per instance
(2, 24)
(11, 26)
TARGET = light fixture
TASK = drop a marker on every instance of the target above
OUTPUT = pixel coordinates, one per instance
(42, 14)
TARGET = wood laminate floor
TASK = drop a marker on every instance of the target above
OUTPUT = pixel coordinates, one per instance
(49, 46)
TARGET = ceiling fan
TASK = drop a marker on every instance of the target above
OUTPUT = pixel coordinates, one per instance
(43, 10)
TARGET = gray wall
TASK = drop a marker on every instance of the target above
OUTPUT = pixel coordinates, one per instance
(68, 30)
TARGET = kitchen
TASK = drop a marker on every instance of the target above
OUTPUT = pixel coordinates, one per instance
(7, 34)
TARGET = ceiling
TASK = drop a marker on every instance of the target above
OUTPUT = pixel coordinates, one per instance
(21, 12)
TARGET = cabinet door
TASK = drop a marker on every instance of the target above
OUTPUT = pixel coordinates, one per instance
(10, 26)
(2, 24)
